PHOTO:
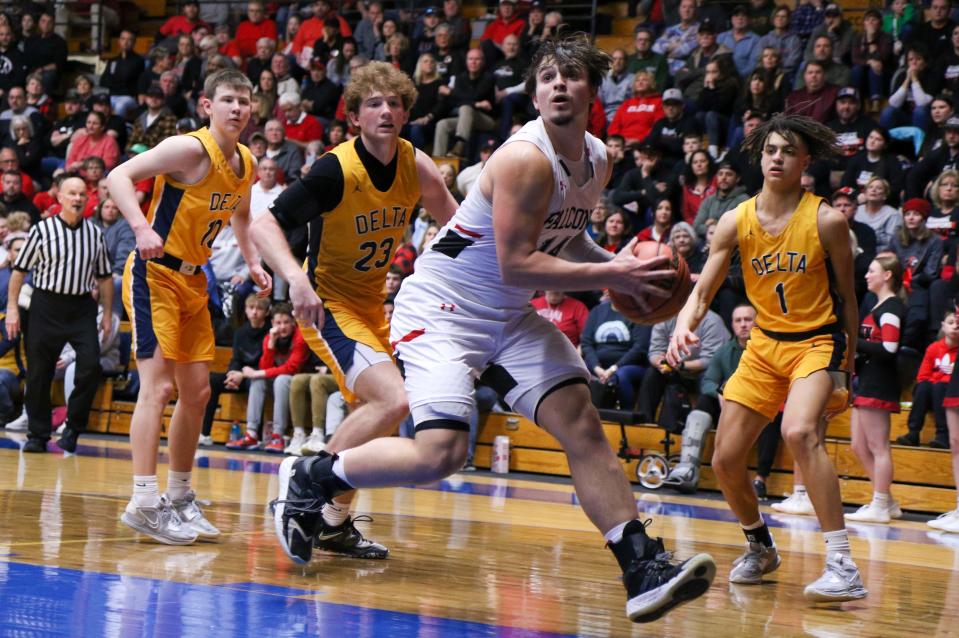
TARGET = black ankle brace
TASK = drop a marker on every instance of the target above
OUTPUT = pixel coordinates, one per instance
(635, 545)
(323, 478)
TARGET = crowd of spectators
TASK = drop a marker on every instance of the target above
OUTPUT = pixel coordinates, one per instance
(699, 76)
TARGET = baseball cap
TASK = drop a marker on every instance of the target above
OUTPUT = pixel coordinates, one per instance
(740, 9)
(707, 26)
(154, 90)
(833, 9)
(845, 191)
(537, 5)
(848, 91)
(318, 62)
(919, 205)
(72, 96)
(258, 136)
(672, 95)
(729, 165)
(952, 122)
(99, 98)
(431, 11)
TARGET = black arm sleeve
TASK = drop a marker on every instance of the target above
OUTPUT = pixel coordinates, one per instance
(306, 199)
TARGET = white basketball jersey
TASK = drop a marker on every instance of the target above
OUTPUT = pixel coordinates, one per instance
(463, 255)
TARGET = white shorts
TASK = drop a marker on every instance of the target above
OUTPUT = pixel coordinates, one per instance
(445, 343)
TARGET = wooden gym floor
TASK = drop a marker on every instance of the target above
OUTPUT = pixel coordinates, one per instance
(475, 555)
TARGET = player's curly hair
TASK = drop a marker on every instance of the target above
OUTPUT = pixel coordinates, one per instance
(818, 138)
(571, 53)
(378, 76)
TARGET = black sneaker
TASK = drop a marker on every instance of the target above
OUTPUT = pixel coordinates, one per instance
(68, 440)
(306, 484)
(654, 584)
(938, 444)
(760, 488)
(35, 446)
(346, 540)
(296, 510)
(910, 438)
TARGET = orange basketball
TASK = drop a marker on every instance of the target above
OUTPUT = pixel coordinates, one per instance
(660, 308)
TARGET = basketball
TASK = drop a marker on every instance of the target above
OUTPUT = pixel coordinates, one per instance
(660, 308)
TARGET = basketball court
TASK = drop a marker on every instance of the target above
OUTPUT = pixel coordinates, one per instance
(474, 555)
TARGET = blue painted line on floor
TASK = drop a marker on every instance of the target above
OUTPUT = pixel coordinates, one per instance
(458, 485)
(57, 602)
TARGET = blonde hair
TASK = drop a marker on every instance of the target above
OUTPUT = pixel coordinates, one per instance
(934, 190)
(18, 221)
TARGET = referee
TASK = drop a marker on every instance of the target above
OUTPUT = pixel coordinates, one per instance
(67, 256)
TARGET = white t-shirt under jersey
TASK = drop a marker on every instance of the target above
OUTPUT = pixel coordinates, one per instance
(463, 257)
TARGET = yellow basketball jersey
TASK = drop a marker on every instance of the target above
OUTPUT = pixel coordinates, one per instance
(188, 217)
(360, 235)
(788, 277)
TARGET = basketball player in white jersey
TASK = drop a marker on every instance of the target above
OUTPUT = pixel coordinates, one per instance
(465, 314)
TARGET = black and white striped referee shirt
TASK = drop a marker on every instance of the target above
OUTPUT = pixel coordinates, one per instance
(65, 260)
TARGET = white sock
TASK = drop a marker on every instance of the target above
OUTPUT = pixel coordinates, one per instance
(299, 432)
(145, 491)
(339, 471)
(251, 430)
(335, 513)
(880, 499)
(838, 541)
(615, 535)
(799, 489)
(178, 484)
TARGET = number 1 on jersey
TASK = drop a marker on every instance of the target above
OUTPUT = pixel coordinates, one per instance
(781, 291)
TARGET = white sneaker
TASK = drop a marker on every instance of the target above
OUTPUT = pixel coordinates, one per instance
(296, 444)
(313, 445)
(749, 568)
(206, 441)
(192, 517)
(944, 519)
(796, 503)
(63, 426)
(871, 513)
(840, 581)
(19, 424)
(160, 522)
(894, 510)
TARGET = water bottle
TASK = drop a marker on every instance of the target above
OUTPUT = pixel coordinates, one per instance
(236, 432)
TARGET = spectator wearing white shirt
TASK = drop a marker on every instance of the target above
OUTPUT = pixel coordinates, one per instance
(266, 188)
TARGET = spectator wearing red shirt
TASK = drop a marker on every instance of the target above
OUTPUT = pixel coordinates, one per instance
(930, 389)
(284, 354)
(185, 23)
(566, 313)
(312, 30)
(507, 22)
(817, 99)
(635, 117)
(257, 25)
(10, 161)
(301, 127)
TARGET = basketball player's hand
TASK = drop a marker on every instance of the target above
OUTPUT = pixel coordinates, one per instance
(307, 306)
(262, 279)
(680, 343)
(149, 243)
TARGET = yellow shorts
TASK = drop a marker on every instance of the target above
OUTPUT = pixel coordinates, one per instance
(769, 366)
(168, 310)
(349, 343)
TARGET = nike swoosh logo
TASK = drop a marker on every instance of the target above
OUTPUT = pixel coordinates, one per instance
(153, 523)
(325, 537)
